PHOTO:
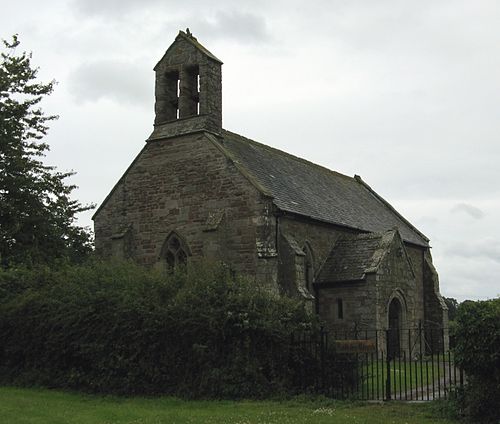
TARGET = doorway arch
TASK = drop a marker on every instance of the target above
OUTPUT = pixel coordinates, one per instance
(395, 319)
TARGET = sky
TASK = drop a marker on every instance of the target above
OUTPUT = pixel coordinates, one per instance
(404, 93)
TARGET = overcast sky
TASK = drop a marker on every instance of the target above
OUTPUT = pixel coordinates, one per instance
(404, 93)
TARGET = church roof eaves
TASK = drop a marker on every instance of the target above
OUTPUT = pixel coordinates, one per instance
(303, 188)
(379, 197)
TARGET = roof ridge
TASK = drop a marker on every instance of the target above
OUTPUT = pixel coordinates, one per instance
(297, 158)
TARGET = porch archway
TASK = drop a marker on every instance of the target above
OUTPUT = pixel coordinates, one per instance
(395, 318)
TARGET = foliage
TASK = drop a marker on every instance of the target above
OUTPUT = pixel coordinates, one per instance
(477, 352)
(452, 305)
(451, 407)
(37, 214)
(120, 328)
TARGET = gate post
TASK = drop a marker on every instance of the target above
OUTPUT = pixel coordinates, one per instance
(323, 346)
(388, 367)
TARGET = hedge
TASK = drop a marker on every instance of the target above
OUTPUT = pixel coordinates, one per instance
(477, 352)
(119, 328)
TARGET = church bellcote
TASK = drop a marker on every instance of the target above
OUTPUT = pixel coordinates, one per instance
(188, 90)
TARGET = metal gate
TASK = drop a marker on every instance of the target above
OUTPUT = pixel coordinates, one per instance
(391, 364)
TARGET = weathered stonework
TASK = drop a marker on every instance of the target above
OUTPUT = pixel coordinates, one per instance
(197, 191)
(176, 184)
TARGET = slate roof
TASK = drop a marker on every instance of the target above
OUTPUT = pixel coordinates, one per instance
(351, 258)
(310, 190)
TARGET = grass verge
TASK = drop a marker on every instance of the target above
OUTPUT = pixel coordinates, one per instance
(35, 406)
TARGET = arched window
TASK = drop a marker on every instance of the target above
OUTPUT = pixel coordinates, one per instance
(308, 268)
(174, 251)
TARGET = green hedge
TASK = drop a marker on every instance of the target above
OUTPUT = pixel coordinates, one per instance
(477, 352)
(118, 328)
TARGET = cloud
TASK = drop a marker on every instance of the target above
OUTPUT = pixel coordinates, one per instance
(114, 80)
(112, 7)
(232, 25)
(468, 278)
(487, 248)
(470, 210)
(241, 24)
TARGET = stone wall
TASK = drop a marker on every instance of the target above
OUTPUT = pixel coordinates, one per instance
(186, 184)
(359, 306)
(416, 255)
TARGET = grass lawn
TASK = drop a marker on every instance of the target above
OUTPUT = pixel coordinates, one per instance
(55, 407)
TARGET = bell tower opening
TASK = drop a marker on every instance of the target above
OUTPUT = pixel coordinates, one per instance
(189, 95)
(167, 102)
(188, 90)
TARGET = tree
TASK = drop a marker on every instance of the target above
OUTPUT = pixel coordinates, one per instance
(452, 305)
(37, 214)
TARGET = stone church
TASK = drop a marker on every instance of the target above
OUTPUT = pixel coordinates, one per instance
(196, 190)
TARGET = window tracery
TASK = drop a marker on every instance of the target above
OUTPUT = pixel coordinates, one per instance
(174, 252)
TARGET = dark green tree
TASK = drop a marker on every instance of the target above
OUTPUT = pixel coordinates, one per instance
(452, 305)
(37, 214)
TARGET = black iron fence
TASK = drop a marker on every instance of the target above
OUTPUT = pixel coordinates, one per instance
(398, 364)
